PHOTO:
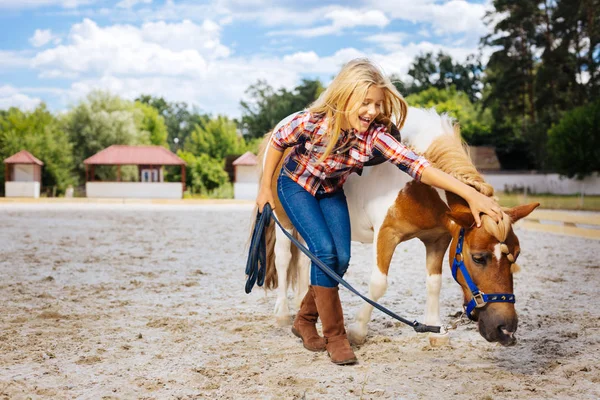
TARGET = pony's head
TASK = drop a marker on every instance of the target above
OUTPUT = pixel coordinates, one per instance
(489, 254)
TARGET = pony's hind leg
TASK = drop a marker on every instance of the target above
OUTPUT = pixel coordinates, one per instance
(384, 249)
(303, 277)
(283, 257)
(434, 259)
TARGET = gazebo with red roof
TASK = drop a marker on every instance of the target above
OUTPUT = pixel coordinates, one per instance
(149, 160)
(245, 183)
(22, 175)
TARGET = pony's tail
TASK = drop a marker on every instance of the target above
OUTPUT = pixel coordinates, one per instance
(294, 267)
(271, 271)
(271, 281)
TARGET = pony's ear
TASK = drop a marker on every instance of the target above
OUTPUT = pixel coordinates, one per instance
(518, 212)
(462, 217)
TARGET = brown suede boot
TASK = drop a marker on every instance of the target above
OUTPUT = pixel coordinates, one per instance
(305, 323)
(332, 318)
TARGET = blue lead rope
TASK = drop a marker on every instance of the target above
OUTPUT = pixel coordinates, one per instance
(256, 267)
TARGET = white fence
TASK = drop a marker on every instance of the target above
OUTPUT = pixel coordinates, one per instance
(543, 183)
(245, 191)
(134, 190)
(22, 189)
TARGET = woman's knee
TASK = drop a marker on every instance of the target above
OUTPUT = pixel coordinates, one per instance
(331, 257)
(325, 251)
(343, 262)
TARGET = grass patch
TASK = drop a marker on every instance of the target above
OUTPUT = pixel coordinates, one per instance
(551, 201)
(224, 191)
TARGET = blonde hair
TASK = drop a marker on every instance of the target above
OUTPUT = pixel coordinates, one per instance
(353, 82)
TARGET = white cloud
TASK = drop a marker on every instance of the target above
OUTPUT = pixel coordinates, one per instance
(12, 59)
(455, 16)
(132, 3)
(341, 19)
(218, 91)
(391, 41)
(42, 37)
(307, 57)
(583, 77)
(187, 61)
(23, 4)
(155, 48)
(12, 97)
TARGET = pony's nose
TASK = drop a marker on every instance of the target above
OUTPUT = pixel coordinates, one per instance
(507, 337)
(507, 333)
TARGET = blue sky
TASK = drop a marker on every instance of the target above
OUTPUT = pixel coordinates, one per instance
(207, 53)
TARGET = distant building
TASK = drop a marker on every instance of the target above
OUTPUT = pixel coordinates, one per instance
(23, 175)
(245, 182)
(149, 160)
(484, 158)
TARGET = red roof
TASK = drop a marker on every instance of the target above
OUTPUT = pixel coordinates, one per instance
(23, 157)
(134, 155)
(248, 158)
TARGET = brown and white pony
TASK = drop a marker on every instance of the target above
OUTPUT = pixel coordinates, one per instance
(388, 207)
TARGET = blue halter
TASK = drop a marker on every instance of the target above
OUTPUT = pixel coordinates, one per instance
(479, 299)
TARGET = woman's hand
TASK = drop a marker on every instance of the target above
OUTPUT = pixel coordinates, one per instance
(480, 203)
(265, 195)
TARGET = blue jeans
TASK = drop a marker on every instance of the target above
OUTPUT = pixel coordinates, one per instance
(323, 222)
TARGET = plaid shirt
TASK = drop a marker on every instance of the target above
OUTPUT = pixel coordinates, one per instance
(307, 133)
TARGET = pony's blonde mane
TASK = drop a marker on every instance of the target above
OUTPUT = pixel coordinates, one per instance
(449, 153)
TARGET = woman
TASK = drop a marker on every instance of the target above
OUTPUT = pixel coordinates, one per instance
(347, 126)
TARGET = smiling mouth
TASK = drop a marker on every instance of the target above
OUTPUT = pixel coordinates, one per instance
(365, 120)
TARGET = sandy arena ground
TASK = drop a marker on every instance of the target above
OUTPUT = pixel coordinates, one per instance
(140, 301)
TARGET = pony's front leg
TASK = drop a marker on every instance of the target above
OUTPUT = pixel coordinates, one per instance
(357, 331)
(384, 245)
(435, 257)
(283, 257)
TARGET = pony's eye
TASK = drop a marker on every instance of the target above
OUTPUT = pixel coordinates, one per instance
(479, 260)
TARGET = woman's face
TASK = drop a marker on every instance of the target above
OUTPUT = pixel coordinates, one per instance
(368, 109)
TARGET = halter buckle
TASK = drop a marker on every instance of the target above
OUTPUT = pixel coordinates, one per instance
(458, 257)
(479, 301)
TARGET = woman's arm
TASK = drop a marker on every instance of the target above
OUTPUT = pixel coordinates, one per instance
(287, 133)
(265, 194)
(421, 170)
(479, 203)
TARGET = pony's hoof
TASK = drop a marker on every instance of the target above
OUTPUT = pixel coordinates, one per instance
(356, 335)
(284, 320)
(439, 339)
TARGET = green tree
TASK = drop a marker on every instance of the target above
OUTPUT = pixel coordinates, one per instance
(217, 138)
(475, 124)
(102, 120)
(267, 107)
(574, 143)
(179, 119)
(203, 173)
(38, 132)
(545, 62)
(442, 72)
(209, 173)
(152, 124)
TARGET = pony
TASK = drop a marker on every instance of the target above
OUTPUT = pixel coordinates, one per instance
(387, 207)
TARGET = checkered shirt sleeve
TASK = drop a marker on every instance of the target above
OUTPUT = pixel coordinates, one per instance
(291, 133)
(400, 155)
